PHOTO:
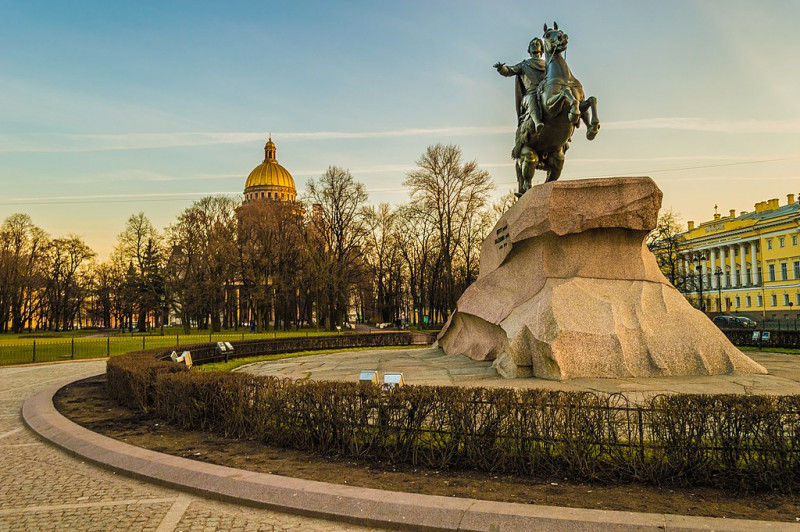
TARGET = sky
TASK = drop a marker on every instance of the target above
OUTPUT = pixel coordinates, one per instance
(112, 108)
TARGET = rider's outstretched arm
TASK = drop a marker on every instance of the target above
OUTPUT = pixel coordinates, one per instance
(505, 70)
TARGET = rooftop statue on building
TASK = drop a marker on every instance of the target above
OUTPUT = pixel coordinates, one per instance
(550, 104)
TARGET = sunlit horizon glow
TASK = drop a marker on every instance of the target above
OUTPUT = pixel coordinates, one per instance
(108, 110)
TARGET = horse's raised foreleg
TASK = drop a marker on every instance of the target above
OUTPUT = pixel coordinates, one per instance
(593, 125)
(574, 115)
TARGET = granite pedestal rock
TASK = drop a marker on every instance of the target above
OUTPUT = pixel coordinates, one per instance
(568, 288)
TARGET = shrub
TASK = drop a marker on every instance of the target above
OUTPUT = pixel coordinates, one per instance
(724, 441)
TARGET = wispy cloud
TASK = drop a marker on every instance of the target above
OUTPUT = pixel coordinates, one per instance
(141, 176)
(40, 143)
(145, 141)
(360, 170)
(112, 198)
(704, 125)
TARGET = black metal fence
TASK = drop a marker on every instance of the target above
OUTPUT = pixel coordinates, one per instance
(207, 353)
(779, 325)
(725, 441)
(26, 351)
(764, 339)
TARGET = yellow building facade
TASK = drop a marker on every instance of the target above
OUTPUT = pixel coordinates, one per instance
(746, 264)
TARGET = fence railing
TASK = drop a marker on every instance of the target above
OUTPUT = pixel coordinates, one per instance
(780, 325)
(207, 353)
(54, 349)
(756, 338)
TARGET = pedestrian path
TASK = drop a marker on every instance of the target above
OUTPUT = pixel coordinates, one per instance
(44, 488)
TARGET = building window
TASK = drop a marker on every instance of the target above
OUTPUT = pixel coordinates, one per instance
(771, 272)
(760, 300)
(774, 300)
(749, 301)
(769, 243)
(738, 302)
(727, 278)
(797, 297)
(797, 269)
(784, 271)
(794, 240)
(786, 300)
(781, 242)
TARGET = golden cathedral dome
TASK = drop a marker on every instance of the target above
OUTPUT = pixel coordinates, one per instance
(269, 180)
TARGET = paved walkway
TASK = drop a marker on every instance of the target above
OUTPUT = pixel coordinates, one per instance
(44, 488)
(432, 366)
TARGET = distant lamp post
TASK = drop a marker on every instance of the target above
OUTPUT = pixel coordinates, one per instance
(795, 317)
(163, 312)
(718, 275)
(698, 261)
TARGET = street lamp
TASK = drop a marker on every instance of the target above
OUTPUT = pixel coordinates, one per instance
(718, 275)
(698, 261)
(795, 318)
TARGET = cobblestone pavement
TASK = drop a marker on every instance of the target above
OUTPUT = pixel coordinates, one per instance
(43, 488)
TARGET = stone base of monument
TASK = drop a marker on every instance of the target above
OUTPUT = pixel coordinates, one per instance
(568, 289)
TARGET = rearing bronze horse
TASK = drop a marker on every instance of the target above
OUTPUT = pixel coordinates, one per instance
(562, 105)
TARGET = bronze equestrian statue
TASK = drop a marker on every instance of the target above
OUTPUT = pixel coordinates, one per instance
(550, 105)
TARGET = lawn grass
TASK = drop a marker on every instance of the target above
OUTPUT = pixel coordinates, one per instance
(48, 347)
(233, 364)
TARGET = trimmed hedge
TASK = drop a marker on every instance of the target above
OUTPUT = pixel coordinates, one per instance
(131, 378)
(723, 441)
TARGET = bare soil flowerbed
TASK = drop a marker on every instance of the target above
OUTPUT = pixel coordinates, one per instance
(87, 404)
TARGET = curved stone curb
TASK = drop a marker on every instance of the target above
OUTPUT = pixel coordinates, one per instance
(362, 506)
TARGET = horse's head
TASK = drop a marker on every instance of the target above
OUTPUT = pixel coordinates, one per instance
(555, 40)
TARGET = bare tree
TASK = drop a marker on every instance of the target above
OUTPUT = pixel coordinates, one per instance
(140, 246)
(663, 242)
(104, 285)
(415, 236)
(67, 285)
(183, 271)
(271, 260)
(449, 192)
(22, 247)
(505, 202)
(382, 255)
(203, 260)
(335, 239)
(478, 225)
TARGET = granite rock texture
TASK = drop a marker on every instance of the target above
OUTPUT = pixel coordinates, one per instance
(568, 289)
